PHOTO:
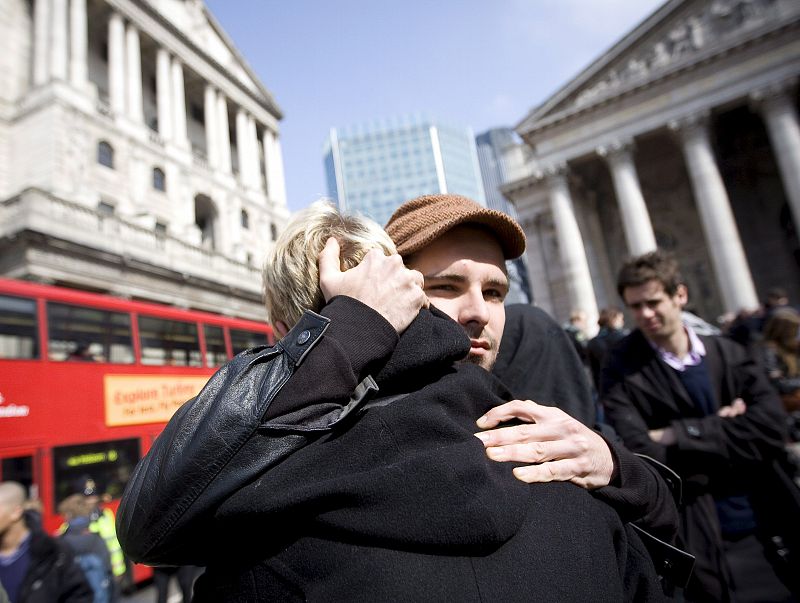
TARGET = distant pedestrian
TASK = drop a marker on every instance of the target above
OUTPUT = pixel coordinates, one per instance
(612, 330)
(102, 523)
(90, 551)
(35, 568)
(781, 355)
(576, 330)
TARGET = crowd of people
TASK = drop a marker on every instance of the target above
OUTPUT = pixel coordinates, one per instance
(410, 437)
(771, 335)
(83, 562)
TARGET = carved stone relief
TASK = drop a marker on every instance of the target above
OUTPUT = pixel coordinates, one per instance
(713, 24)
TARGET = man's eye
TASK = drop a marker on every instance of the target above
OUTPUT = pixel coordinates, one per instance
(494, 294)
(440, 287)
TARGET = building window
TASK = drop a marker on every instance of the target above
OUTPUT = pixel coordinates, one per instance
(273, 231)
(159, 180)
(105, 154)
(161, 229)
(245, 219)
(197, 113)
(106, 208)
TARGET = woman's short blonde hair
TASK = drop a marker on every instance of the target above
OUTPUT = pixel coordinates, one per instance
(291, 273)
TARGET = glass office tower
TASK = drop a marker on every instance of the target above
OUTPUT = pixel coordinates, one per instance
(495, 148)
(371, 168)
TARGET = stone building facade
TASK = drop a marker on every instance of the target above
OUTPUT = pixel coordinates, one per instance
(139, 154)
(685, 136)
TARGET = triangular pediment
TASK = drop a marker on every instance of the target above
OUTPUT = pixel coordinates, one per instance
(193, 19)
(678, 34)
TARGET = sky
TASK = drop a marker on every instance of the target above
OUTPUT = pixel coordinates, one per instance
(477, 63)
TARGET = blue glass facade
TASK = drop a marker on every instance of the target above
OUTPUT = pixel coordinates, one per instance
(372, 168)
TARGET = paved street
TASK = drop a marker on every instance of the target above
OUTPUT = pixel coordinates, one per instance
(148, 594)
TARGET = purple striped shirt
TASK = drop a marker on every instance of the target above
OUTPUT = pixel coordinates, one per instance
(694, 357)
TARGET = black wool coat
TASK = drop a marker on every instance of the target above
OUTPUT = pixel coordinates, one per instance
(402, 504)
(714, 456)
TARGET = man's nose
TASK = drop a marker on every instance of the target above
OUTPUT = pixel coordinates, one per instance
(646, 312)
(474, 309)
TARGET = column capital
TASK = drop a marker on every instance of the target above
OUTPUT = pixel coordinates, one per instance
(556, 172)
(775, 96)
(617, 148)
(691, 125)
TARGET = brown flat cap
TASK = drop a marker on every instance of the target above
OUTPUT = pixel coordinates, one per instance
(419, 222)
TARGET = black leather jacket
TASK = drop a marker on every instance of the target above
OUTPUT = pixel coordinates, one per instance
(206, 451)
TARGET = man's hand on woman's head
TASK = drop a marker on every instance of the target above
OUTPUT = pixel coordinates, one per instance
(559, 447)
(380, 281)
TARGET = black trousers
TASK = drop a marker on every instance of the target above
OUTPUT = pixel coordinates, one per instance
(185, 576)
(753, 576)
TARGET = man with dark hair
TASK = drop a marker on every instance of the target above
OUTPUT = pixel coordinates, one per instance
(702, 406)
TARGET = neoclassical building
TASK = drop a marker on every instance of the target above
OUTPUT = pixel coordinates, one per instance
(139, 153)
(685, 136)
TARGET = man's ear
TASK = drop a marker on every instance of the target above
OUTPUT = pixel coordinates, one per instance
(682, 295)
(280, 327)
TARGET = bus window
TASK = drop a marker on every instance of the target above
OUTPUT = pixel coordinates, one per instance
(109, 464)
(17, 469)
(215, 346)
(18, 328)
(169, 342)
(84, 334)
(242, 340)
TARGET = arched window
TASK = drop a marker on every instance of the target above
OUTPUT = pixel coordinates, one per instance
(245, 219)
(105, 154)
(159, 180)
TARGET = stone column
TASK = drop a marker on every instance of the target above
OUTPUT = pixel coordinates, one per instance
(79, 44)
(276, 188)
(780, 115)
(280, 183)
(570, 245)
(241, 145)
(252, 153)
(41, 41)
(633, 210)
(722, 237)
(266, 142)
(180, 134)
(134, 74)
(59, 48)
(163, 95)
(224, 136)
(116, 63)
(212, 130)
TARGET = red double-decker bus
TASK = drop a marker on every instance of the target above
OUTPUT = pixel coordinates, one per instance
(88, 381)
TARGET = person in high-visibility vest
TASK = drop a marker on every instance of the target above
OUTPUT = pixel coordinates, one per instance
(102, 523)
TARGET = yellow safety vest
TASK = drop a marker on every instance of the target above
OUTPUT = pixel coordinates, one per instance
(105, 528)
